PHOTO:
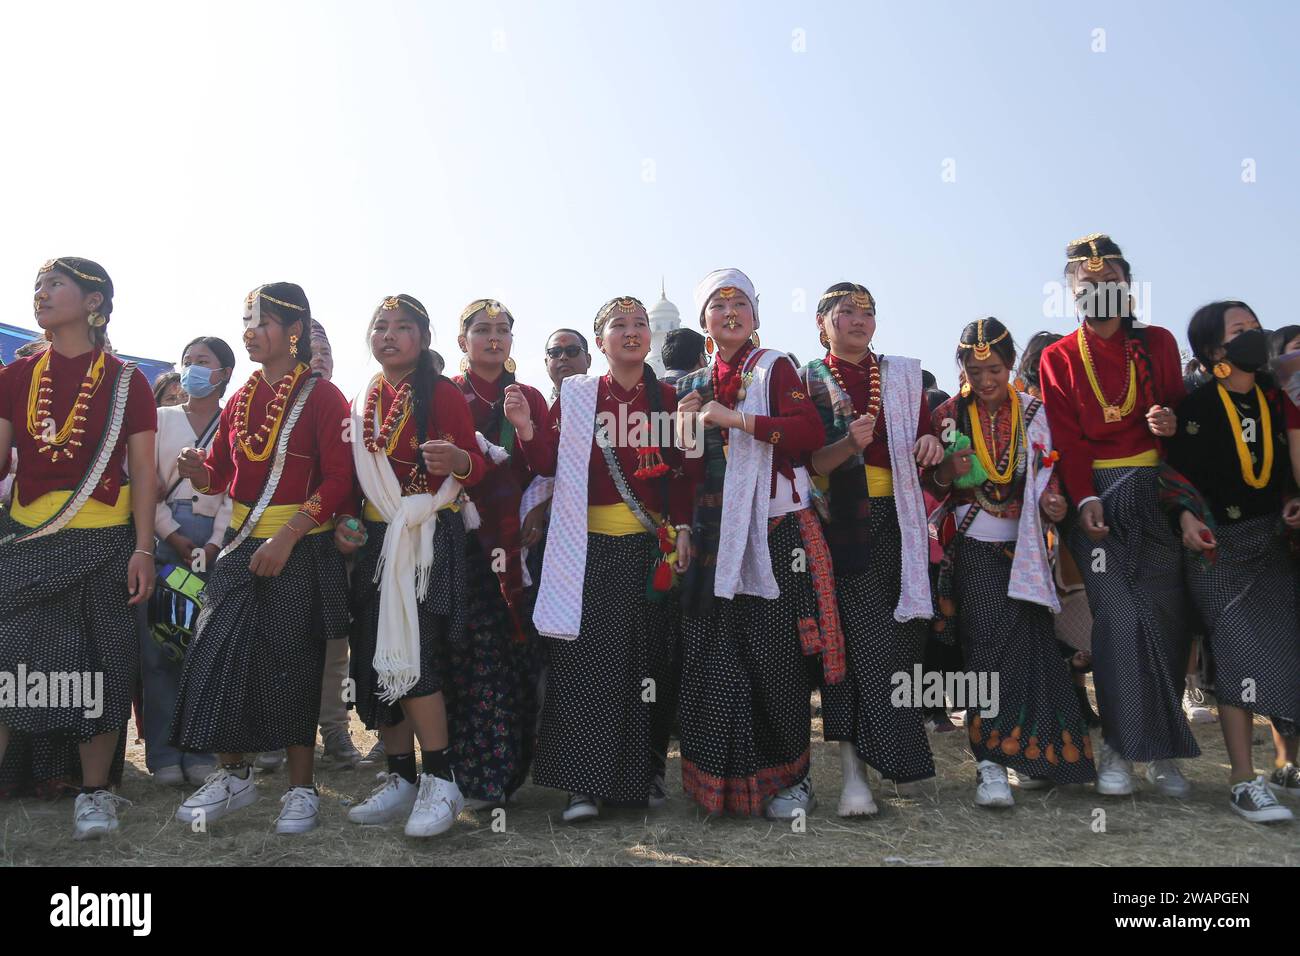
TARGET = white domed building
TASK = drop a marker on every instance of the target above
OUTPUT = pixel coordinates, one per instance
(664, 317)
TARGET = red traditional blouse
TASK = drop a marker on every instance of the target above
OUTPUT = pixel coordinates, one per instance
(543, 448)
(857, 382)
(481, 396)
(448, 420)
(318, 472)
(1079, 428)
(997, 438)
(37, 474)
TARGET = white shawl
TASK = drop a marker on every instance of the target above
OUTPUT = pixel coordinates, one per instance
(900, 385)
(558, 612)
(1031, 569)
(405, 561)
(744, 565)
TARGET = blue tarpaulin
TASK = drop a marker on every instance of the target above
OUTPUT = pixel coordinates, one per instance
(13, 336)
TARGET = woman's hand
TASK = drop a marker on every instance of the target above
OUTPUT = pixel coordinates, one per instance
(1291, 513)
(210, 554)
(140, 575)
(183, 547)
(517, 412)
(349, 534)
(928, 451)
(189, 465)
(717, 415)
(861, 431)
(1053, 505)
(684, 550)
(444, 457)
(1196, 536)
(1162, 422)
(1092, 518)
(534, 526)
(269, 559)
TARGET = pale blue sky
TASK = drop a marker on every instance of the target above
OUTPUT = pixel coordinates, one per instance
(555, 154)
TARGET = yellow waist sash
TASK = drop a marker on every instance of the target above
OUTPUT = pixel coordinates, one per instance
(93, 514)
(1146, 459)
(371, 513)
(880, 482)
(273, 519)
(614, 520)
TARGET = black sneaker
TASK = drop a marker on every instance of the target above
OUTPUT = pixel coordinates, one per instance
(1286, 781)
(581, 807)
(1253, 800)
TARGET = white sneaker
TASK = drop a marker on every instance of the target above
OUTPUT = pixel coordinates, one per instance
(1195, 709)
(197, 773)
(992, 788)
(581, 807)
(1027, 783)
(169, 776)
(95, 814)
(1253, 800)
(301, 811)
(222, 792)
(855, 797)
(389, 801)
(437, 806)
(271, 760)
(1114, 773)
(1168, 779)
(788, 802)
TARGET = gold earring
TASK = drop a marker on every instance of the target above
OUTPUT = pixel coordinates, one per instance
(708, 344)
(95, 320)
(1222, 369)
(826, 342)
(753, 337)
(965, 389)
(509, 365)
(293, 346)
(464, 363)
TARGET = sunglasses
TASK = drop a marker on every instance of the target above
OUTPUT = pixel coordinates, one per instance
(569, 351)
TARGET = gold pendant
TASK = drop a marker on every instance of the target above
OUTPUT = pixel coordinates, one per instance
(1111, 414)
(509, 365)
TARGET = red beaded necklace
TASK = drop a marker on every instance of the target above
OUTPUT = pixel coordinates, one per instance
(873, 385)
(728, 391)
(270, 427)
(394, 421)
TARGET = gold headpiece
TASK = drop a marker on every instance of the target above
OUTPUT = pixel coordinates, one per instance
(1095, 259)
(492, 306)
(397, 301)
(390, 303)
(862, 300)
(728, 292)
(625, 304)
(49, 266)
(982, 348)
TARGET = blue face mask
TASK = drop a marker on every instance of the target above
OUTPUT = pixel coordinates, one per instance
(197, 380)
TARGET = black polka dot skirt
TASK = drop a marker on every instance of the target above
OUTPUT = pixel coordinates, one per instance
(745, 688)
(1038, 729)
(442, 617)
(252, 675)
(64, 617)
(1140, 637)
(490, 686)
(859, 709)
(1247, 600)
(606, 718)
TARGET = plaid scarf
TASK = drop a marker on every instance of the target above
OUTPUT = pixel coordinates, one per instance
(697, 584)
(1178, 494)
(847, 500)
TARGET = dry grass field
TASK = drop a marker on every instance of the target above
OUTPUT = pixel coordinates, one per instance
(936, 824)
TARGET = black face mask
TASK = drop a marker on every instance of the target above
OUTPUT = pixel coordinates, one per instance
(1249, 350)
(1105, 301)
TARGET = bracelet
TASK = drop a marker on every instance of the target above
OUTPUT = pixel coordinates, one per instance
(468, 471)
(940, 484)
(742, 422)
(143, 551)
(682, 527)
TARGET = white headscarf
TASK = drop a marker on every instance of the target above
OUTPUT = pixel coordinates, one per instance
(724, 279)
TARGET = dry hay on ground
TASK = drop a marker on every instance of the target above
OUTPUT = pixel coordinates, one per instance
(935, 824)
